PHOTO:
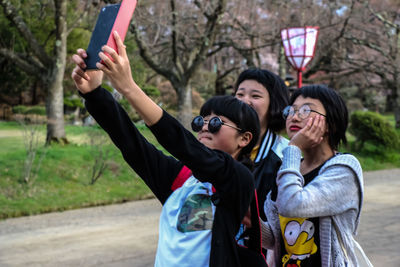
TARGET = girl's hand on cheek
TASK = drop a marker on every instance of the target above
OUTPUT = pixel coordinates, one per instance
(311, 135)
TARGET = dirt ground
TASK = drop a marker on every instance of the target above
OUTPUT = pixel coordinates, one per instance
(126, 234)
(9, 133)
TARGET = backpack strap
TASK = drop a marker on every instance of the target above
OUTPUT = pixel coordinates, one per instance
(255, 231)
(183, 175)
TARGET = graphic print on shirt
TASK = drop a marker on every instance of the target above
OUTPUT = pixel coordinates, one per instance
(298, 237)
(196, 214)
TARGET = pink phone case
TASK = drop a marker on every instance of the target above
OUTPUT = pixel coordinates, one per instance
(122, 22)
(111, 18)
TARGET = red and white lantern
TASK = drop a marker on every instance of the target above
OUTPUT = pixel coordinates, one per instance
(299, 44)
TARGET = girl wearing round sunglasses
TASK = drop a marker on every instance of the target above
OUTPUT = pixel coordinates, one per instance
(315, 210)
(203, 207)
(214, 124)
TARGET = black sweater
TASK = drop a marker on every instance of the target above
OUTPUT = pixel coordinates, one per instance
(232, 180)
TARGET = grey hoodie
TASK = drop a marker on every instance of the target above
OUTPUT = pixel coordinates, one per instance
(335, 196)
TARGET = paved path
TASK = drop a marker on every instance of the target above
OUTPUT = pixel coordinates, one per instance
(379, 231)
(115, 235)
(126, 234)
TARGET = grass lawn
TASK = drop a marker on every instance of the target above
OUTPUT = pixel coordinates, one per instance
(372, 158)
(63, 180)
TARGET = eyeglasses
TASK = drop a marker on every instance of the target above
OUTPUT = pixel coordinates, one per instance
(214, 124)
(303, 112)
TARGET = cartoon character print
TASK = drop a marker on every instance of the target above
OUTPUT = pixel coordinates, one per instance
(298, 237)
(196, 214)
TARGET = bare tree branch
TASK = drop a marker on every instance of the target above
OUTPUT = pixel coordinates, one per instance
(174, 33)
(379, 16)
(23, 62)
(147, 57)
(12, 14)
(367, 44)
(78, 21)
(208, 39)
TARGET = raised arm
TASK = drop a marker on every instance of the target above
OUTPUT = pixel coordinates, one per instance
(156, 169)
(119, 72)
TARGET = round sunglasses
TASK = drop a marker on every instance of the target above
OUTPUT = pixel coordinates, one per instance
(303, 112)
(214, 124)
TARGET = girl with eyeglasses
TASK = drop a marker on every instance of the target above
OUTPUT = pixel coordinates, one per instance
(204, 189)
(315, 210)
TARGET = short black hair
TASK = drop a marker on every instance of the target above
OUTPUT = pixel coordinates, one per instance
(244, 116)
(335, 107)
(278, 94)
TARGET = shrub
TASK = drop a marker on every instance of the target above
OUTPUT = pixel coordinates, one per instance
(37, 110)
(73, 101)
(372, 127)
(20, 109)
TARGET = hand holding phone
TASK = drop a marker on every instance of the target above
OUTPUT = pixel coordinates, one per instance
(112, 18)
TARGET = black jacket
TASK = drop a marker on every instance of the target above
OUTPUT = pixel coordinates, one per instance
(269, 160)
(265, 178)
(232, 180)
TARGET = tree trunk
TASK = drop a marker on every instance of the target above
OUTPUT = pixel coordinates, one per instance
(282, 62)
(77, 113)
(185, 105)
(55, 97)
(34, 100)
(396, 81)
(389, 103)
(396, 101)
(219, 86)
(55, 107)
(397, 114)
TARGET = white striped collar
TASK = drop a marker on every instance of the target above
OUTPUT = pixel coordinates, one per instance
(265, 146)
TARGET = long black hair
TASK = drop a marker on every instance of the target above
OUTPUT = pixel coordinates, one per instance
(244, 116)
(335, 107)
(278, 94)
